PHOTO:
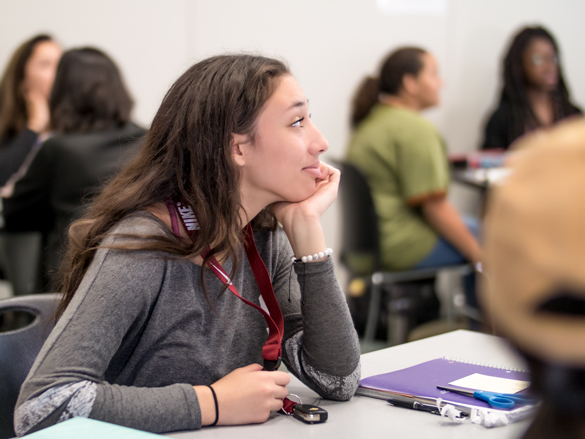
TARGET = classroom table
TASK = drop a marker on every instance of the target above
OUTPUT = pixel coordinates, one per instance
(364, 417)
(480, 178)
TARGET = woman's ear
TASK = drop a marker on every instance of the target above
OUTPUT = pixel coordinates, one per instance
(239, 147)
(410, 84)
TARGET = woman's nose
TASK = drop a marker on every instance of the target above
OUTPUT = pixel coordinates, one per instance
(319, 143)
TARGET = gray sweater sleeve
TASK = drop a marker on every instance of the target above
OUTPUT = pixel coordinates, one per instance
(67, 378)
(321, 346)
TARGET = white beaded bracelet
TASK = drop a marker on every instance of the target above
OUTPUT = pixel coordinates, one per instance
(316, 256)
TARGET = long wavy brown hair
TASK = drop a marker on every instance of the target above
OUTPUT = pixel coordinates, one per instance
(88, 93)
(186, 157)
(13, 112)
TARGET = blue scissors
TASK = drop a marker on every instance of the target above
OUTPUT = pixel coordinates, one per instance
(497, 400)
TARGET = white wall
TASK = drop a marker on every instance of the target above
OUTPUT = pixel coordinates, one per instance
(330, 45)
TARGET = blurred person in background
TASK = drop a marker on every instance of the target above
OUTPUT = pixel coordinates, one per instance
(93, 139)
(24, 102)
(405, 161)
(534, 94)
(534, 284)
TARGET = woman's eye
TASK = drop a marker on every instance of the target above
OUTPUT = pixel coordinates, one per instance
(537, 59)
(297, 124)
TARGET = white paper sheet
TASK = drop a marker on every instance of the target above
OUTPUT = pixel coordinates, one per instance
(477, 381)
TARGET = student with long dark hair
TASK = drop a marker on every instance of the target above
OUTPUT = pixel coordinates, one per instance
(151, 334)
(93, 139)
(404, 159)
(24, 94)
(534, 94)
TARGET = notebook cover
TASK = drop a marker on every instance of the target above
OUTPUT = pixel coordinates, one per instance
(422, 380)
(86, 428)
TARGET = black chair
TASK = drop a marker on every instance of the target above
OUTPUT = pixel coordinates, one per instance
(21, 255)
(25, 324)
(360, 253)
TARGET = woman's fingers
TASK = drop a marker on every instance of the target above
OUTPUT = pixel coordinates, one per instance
(38, 111)
(251, 367)
(327, 171)
(326, 191)
(324, 195)
(248, 394)
(276, 405)
(281, 393)
(281, 378)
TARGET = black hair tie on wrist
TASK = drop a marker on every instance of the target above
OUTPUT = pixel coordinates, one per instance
(216, 407)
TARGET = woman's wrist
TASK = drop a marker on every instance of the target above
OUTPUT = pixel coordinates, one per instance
(313, 257)
(206, 405)
(306, 237)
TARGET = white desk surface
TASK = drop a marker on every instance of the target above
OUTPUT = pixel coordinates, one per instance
(364, 417)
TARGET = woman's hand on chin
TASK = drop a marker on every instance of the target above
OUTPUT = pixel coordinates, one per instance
(315, 206)
(301, 221)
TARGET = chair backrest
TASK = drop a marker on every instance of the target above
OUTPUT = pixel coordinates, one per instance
(359, 220)
(20, 347)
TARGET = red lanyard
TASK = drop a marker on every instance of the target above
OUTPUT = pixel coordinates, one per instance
(272, 350)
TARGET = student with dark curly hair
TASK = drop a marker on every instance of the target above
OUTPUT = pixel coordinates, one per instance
(534, 94)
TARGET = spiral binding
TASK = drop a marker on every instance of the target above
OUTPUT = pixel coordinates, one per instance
(477, 363)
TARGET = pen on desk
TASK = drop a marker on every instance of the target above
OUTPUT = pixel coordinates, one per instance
(414, 405)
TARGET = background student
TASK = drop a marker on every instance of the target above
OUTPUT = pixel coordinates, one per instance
(534, 284)
(148, 335)
(534, 94)
(404, 159)
(24, 94)
(94, 138)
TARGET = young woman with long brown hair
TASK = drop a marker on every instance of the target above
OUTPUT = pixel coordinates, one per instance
(150, 335)
(24, 101)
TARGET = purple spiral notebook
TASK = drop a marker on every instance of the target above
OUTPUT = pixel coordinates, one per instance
(422, 380)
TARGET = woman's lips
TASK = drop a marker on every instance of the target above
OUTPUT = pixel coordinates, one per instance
(313, 170)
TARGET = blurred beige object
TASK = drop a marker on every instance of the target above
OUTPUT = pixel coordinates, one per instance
(357, 288)
(535, 245)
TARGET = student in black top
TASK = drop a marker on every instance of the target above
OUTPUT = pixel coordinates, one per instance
(534, 95)
(24, 94)
(94, 138)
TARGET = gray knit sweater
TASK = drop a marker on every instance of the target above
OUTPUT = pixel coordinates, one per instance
(139, 334)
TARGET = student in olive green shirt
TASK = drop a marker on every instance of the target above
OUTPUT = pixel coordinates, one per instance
(404, 159)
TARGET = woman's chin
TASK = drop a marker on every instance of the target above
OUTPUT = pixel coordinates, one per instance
(299, 196)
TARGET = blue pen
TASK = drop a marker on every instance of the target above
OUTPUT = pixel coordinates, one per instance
(496, 400)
